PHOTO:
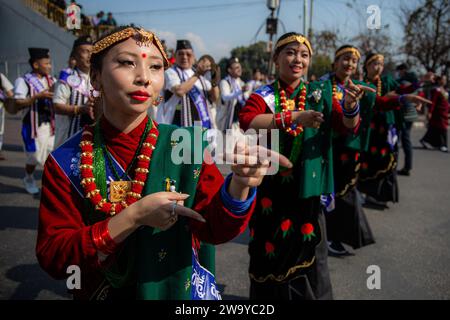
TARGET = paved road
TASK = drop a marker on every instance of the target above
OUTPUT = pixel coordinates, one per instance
(412, 248)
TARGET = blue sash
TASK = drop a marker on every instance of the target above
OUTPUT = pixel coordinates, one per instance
(64, 74)
(203, 283)
(327, 201)
(267, 93)
(392, 137)
(199, 101)
(67, 157)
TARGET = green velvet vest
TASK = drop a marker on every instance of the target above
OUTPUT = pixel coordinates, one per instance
(159, 262)
(360, 140)
(316, 158)
(388, 84)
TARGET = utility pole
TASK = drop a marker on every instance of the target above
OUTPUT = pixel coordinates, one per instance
(271, 29)
(305, 9)
(310, 31)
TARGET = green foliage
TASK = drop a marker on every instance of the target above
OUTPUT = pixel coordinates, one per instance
(251, 57)
(321, 64)
(426, 37)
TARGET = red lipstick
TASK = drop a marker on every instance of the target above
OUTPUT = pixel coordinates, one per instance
(139, 95)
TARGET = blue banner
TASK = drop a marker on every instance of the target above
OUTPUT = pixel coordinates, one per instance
(203, 282)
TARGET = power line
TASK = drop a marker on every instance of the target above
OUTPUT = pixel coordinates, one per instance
(229, 5)
(193, 8)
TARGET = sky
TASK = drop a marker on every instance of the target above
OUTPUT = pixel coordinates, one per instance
(217, 26)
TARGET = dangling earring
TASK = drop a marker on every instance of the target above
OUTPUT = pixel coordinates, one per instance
(157, 101)
(96, 94)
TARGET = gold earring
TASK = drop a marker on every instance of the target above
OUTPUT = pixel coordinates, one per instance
(157, 101)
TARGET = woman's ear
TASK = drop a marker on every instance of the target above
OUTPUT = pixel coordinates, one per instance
(275, 61)
(95, 79)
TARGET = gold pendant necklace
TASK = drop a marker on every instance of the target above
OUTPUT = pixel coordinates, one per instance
(118, 190)
(290, 104)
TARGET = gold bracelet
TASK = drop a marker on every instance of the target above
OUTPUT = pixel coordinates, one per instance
(75, 110)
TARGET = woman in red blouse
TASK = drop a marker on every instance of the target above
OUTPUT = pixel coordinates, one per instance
(139, 220)
(288, 252)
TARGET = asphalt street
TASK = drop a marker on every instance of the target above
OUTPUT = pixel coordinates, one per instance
(411, 249)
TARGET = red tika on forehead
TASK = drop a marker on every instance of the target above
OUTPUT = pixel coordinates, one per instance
(144, 38)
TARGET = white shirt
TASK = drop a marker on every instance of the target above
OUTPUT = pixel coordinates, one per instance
(21, 90)
(62, 96)
(226, 91)
(167, 108)
(5, 87)
(62, 89)
(252, 85)
(229, 99)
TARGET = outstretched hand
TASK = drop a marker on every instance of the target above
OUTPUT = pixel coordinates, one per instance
(310, 118)
(251, 164)
(413, 98)
(354, 93)
(161, 210)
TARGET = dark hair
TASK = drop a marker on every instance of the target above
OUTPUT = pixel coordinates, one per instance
(231, 61)
(345, 46)
(368, 56)
(402, 66)
(209, 58)
(284, 36)
(33, 60)
(255, 70)
(97, 58)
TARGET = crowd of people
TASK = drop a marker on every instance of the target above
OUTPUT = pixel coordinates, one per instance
(95, 25)
(103, 132)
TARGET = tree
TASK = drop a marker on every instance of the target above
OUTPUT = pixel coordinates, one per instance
(372, 40)
(325, 43)
(376, 41)
(427, 39)
(251, 57)
(321, 64)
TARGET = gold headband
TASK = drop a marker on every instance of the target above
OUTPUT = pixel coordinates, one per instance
(295, 38)
(345, 50)
(145, 38)
(376, 56)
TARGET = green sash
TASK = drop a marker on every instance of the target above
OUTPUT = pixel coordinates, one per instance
(316, 158)
(393, 116)
(360, 140)
(160, 262)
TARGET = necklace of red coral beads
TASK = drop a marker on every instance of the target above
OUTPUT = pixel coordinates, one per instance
(336, 97)
(289, 105)
(141, 172)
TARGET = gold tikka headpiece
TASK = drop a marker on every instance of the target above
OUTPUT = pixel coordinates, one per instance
(376, 56)
(144, 37)
(295, 38)
(346, 50)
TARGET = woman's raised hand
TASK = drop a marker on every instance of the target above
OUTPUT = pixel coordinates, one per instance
(161, 210)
